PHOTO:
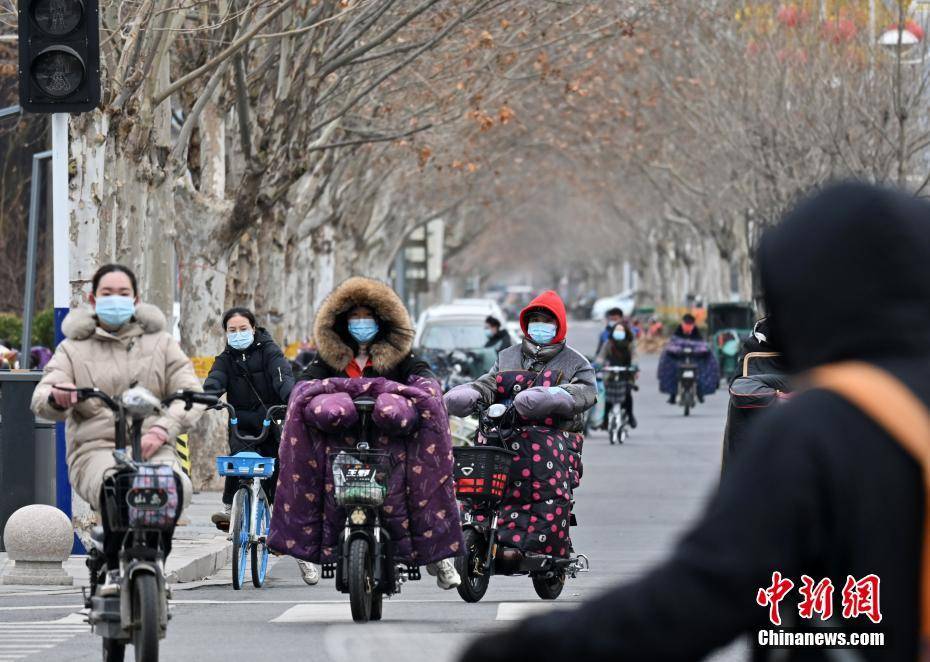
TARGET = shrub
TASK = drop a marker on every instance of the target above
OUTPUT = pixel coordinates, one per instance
(11, 329)
(43, 328)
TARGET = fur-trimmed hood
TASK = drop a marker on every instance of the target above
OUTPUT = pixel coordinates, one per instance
(81, 323)
(393, 343)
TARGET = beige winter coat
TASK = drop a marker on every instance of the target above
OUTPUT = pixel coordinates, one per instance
(140, 352)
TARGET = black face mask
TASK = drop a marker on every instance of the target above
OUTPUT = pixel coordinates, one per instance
(846, 276)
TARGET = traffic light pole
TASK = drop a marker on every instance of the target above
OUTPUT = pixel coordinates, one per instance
(62, 290)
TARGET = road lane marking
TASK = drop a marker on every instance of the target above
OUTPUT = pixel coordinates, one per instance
(517, 611)
(316, 613)
(27, 608)
(349, 643)
(20, 639)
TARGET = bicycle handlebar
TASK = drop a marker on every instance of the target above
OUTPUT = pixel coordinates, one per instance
(234, 422)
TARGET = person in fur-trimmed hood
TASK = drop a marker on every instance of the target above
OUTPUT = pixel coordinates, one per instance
(363, 330)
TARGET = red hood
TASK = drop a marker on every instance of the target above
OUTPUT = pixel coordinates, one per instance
(552, 302)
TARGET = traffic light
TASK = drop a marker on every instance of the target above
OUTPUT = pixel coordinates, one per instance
(59, 56)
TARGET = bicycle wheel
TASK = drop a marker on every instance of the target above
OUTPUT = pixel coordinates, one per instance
(240, 519)
(360, 581)
(145, 617)
(260, 548)
(473, 586)
(613, 424)
(113, 650)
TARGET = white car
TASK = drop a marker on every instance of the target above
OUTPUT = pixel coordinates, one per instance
(489, 306)
(454, 326)
(625, 301)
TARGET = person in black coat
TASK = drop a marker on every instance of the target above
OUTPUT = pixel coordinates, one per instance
(255, 376)
(822, 490)
(383, 351)
(498, 337)
(688, 328)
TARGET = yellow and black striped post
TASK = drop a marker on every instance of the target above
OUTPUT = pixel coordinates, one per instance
(184, 453)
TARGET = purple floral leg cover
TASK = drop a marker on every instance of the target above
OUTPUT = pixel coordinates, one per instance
(420, 511)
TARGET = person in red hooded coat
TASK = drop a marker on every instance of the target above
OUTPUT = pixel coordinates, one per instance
(572, 390)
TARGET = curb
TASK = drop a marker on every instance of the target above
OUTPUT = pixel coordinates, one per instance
(196, 560)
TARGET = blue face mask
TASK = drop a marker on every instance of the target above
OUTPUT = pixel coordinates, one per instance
(488, 333)
(363, 330)
(115, 310)
(240, 339)
(541, 333)
(619, 333)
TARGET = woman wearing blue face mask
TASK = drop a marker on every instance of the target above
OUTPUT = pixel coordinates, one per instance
(363, 330)
(254, 375)
(114, 343)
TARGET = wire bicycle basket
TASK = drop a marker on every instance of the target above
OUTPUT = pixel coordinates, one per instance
(360, 476)
(148, 498)
(481, 473)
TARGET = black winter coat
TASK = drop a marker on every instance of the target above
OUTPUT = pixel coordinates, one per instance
(411, 365)
(258, 374)
(694, 335)
(499, 341)
(821, 489)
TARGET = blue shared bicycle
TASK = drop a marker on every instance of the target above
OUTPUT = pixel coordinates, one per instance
(250, 517)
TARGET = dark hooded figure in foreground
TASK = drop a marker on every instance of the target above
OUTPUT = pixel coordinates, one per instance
(822, 490)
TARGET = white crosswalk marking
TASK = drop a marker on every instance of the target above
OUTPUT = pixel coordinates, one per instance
(22, 639)
(516, 611)
(316, 613)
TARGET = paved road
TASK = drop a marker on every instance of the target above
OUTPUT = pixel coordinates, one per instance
(632, 504)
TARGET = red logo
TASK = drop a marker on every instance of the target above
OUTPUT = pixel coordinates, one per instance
(772, 596)
(860, 598)
(818, 598)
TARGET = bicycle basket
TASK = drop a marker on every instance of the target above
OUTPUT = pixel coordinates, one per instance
(481, 472)
(148, 499)
(360, 477)
(246, 465)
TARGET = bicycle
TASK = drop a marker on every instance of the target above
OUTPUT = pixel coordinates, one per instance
(141, 504)
(250, 517)
(618, 380)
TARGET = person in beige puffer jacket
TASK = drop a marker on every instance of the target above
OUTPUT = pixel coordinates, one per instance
(113, 358)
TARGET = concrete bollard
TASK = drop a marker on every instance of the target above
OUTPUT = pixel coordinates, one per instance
(38, 539)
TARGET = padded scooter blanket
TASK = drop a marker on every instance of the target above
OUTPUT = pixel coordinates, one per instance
(536, 511)
(419, 512)
(673, 356)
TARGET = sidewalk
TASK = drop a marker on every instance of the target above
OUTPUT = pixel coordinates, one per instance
(199, 550)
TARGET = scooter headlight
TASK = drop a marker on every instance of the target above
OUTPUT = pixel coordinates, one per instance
(358, 517)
